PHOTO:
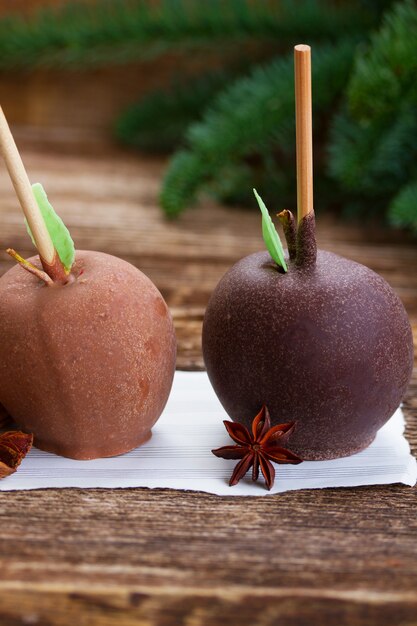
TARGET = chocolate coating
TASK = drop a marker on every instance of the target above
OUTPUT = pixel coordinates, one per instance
(88, 366)
(327, 345)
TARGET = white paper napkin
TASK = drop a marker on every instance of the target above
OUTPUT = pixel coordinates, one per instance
(178, 456)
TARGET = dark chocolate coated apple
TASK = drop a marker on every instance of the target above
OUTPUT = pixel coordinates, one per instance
(326, 345)
(86, 366)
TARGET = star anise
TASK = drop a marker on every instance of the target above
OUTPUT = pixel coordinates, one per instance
(258, 448)
(14, 446)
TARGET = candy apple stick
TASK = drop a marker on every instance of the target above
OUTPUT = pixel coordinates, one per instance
(48, 255)
(304, 135)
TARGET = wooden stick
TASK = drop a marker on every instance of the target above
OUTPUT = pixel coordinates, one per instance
(24, 192)
(304, 130)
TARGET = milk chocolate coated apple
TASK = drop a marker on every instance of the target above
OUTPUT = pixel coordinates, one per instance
(327, 345)
(87, 366)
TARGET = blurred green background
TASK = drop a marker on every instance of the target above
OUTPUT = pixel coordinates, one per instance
(214, 91)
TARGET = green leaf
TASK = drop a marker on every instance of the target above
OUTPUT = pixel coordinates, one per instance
(59, 233)
(270, 235)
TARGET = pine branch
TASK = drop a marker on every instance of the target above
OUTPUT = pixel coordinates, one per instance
(253, 115)
(376, 157)
(186, 173)
(403, 209)
(158, 122)
(387, 72)
(373, 152)
(117, 31)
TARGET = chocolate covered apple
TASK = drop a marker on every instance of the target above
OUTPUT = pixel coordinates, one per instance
(320, 340)
(87, 345)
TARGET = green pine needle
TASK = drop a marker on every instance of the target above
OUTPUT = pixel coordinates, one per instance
(374, 158)
(373, 151)
(158, 122)
(385, 74)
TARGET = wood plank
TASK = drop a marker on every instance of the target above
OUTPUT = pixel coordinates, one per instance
(110, 607)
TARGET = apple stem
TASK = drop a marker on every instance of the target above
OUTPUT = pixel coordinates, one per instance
(30, 268)
(290, 231)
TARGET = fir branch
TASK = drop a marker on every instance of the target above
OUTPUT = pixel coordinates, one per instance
(403, 209)
(158, 122)
(186, 171)
(252, 115)
(374, 157)
(373, 152)
(116, 31)
(387, 72)
(234, 185)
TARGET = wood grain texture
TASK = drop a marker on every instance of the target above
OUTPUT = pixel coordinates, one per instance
(160, 557)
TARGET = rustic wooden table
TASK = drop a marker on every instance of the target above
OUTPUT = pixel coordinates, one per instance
(135, 556)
